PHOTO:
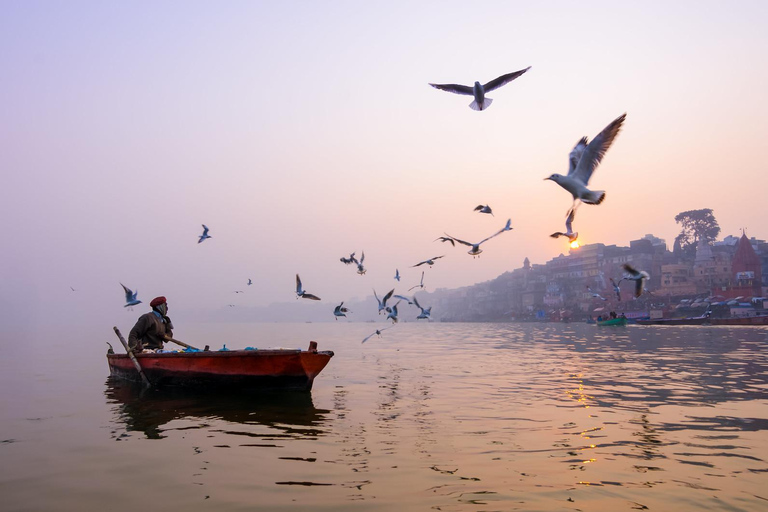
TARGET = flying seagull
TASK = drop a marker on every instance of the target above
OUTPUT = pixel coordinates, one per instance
(478, 90)
(420, 285)
(596, 295)
(340, 311)
(616, 287)
(430, 261)
(638, 276)
(350, 260)
(250, 282)
(376, 333)
(393, 313)
(205, 234)
(360, 268)
(445, 239)
(300, 293)
(424, 312)
(397, 275)
(383, 302)
(569, 233)
(130, 297)
(475, 249)
(484, 209)
(583, 160)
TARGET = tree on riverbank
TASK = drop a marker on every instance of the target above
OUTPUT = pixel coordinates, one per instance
(697, 225)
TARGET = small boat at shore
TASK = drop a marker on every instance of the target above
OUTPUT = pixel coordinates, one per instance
(612, 322)
(241, 369)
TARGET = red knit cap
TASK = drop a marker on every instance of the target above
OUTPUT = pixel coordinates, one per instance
(157, 301)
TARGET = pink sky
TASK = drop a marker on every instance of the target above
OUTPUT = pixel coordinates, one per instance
(302, 131)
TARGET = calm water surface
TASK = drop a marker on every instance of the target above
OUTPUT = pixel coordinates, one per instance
(451, 417)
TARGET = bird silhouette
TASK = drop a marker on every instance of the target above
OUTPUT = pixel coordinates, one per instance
(205, 234)
(479, 90)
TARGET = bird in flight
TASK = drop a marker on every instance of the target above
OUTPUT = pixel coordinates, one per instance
(484, 209)
(360, 268)
(420, 285)
(350, 260)
(300, 293)
(397, 275)
(393, 313)
(383, 302)
(480, 102)
(250, 282)
(340, 310)
(205, 234)
(130, 296)
(475, 249)
(582, 162)
(596, 295)
(445, 239)
(638, 276)
(616, 287)
(569, 233)
(376, 333)
(424, 312)
(430, 261)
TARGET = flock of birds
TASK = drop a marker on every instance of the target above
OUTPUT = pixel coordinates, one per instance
(583, 159)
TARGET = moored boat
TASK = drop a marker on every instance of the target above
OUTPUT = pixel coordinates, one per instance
(612, 322)
(694, 320)
(242, 369)
(743, 320)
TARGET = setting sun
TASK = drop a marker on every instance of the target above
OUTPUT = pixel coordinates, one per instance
(575, 244)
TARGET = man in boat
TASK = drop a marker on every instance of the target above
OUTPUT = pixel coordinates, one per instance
(152, 328)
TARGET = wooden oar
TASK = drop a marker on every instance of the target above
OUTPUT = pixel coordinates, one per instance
(144, 378)
(168, 338)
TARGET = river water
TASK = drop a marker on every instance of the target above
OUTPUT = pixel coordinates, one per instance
(431, 416)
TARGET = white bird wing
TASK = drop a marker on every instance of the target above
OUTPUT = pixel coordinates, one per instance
(377, 298)
(569, 221)
(298, 284)
(575, 155)
(503, 79)
(416, 302)
(455, 88)
(205, 230)
(596, 149)
(505, 228)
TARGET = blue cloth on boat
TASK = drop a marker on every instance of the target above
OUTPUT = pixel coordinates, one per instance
(190, 349)
(250, 348)
(224, 348)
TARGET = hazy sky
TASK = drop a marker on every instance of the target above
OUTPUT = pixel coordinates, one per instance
(302, 131)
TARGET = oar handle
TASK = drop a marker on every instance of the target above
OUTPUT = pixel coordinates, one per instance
(144, 378)
(168, 338)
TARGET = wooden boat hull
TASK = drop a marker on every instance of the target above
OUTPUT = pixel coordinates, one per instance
(612, 322)
(746, 320)
(676, 321)
(241, 369)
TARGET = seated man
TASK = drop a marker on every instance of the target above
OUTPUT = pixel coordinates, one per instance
(152, 328)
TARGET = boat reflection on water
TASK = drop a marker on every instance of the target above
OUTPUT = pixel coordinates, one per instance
(286, 413)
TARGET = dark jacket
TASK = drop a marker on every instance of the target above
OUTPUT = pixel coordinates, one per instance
(149, 331)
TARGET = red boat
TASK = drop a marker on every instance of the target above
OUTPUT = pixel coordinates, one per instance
(742, 320)
(243, 369)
